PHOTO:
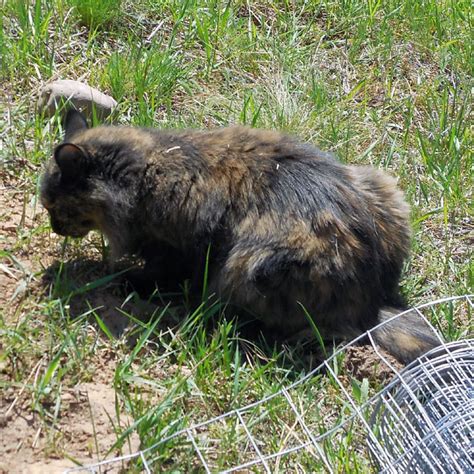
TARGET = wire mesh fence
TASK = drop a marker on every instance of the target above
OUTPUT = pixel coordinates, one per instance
(422, 420)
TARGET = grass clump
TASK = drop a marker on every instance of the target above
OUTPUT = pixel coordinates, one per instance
(97, 14)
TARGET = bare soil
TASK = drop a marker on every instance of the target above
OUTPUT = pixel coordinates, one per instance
(85, 430)
(363, 362)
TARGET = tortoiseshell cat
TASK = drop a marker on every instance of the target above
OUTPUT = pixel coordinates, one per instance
(287, 224)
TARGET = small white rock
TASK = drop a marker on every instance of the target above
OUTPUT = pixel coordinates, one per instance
(78, 94)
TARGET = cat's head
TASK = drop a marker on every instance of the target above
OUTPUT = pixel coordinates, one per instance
(66, 188)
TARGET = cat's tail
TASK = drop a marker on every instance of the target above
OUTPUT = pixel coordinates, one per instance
(406, 337)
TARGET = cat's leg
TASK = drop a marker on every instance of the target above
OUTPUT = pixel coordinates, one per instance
(267, 282)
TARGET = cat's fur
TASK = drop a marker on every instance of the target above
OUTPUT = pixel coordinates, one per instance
(287, 224)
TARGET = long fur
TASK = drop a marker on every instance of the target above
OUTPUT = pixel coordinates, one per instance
(287, 224)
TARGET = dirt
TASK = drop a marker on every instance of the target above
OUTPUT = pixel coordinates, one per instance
(363, 362)
(20, 214)
(84, 429)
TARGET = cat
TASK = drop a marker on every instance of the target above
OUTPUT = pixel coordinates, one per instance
(286, 230)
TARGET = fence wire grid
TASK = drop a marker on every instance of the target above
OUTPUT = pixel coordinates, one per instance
(422, 420)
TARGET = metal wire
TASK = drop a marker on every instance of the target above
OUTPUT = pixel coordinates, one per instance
(436, 401)
(422, 421)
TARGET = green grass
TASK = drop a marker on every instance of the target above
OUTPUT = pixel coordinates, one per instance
(386, 83)
(95, 14)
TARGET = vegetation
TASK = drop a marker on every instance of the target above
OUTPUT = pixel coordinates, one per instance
(385, 83)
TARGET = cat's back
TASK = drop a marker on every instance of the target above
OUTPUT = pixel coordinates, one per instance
(235, 145)
(253, 145)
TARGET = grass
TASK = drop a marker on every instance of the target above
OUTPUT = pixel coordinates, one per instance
(382, 83)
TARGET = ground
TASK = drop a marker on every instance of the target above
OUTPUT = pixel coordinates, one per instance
(87, 372)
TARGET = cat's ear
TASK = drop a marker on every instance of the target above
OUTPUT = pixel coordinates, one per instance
(71, 161)
(74, 121)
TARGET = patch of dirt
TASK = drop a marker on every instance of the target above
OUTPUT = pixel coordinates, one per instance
(15, 215)
(85, 430)
(362, 362)
(26, 250)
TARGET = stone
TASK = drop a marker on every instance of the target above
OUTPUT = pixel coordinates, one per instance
(79, 95)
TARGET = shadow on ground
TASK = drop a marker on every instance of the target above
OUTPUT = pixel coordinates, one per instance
(87, 286)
